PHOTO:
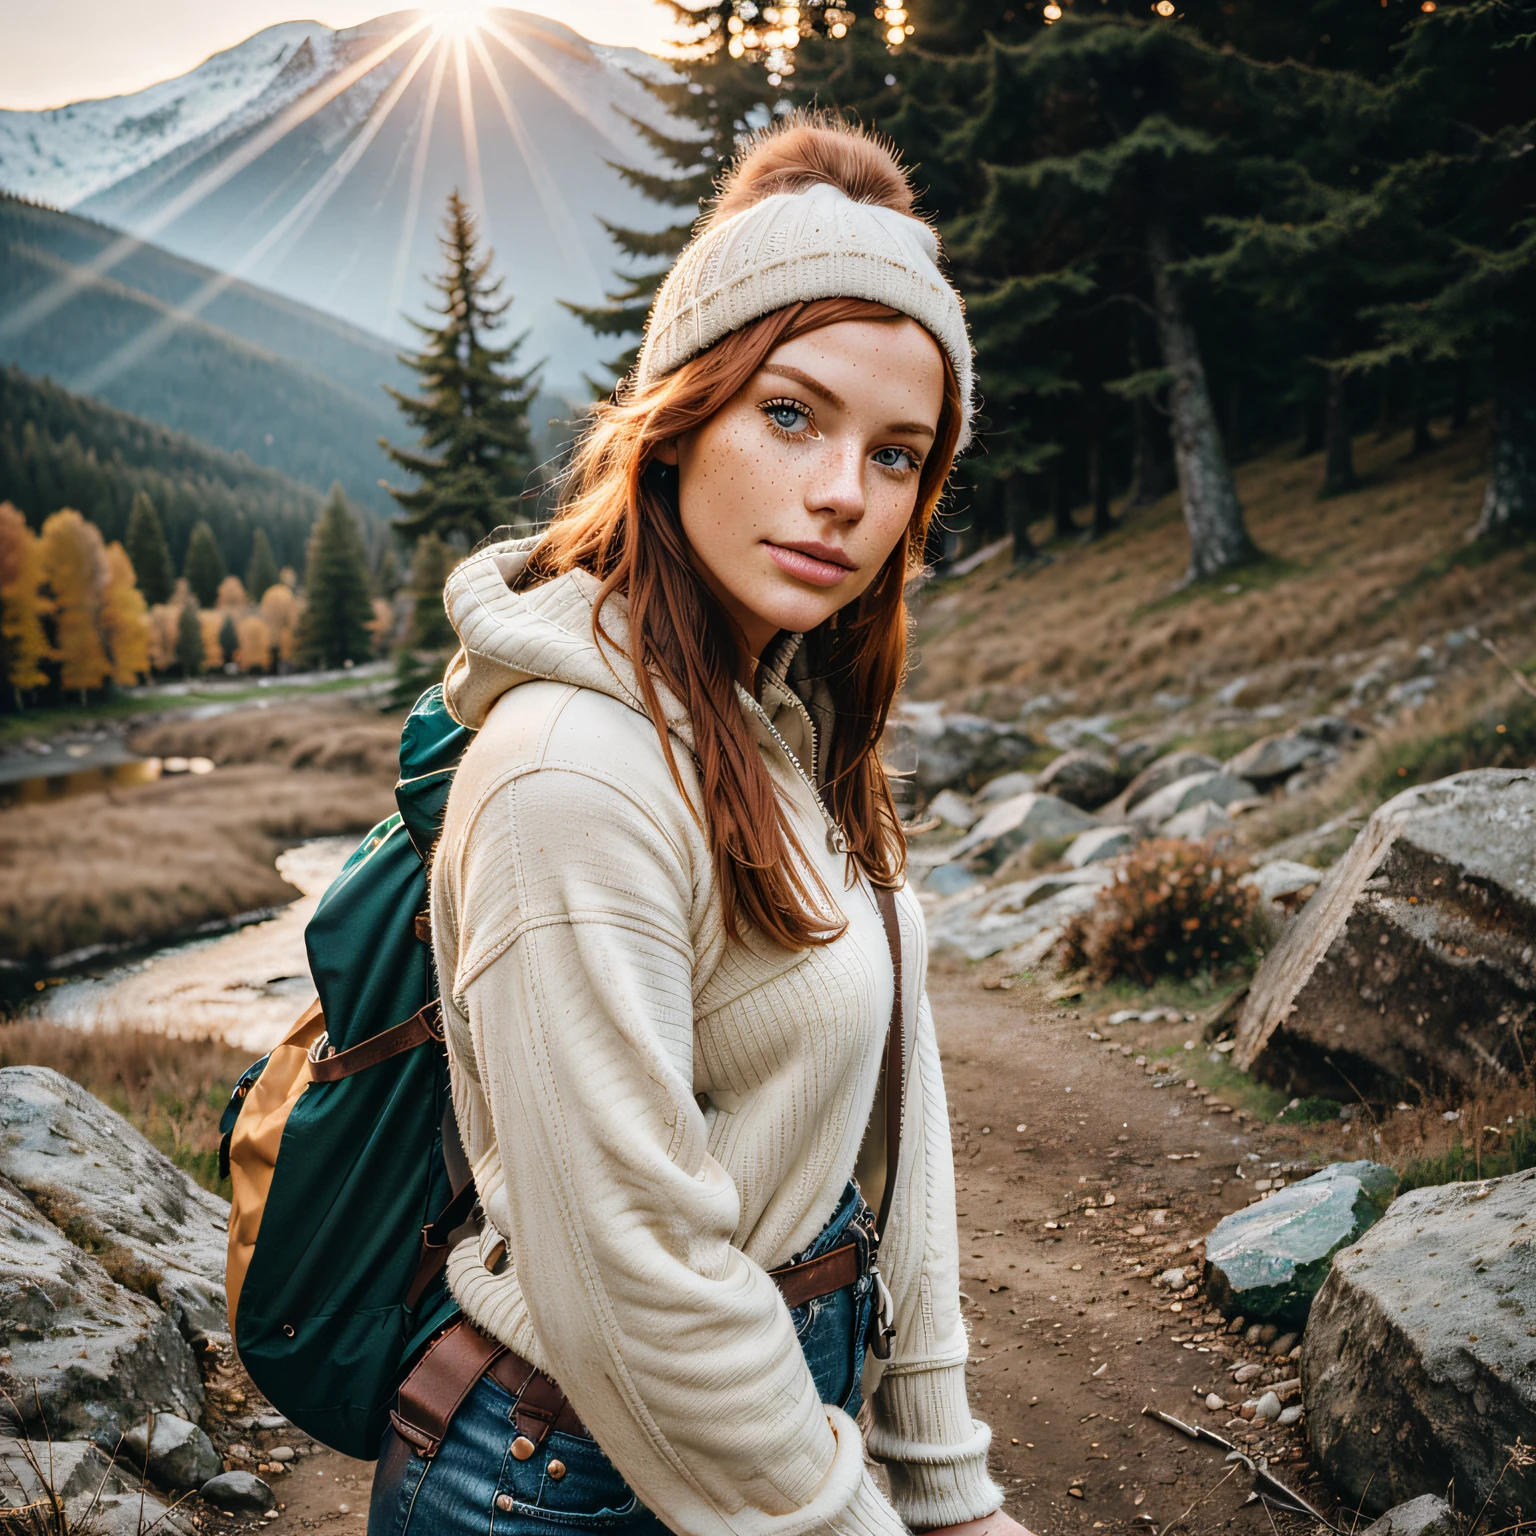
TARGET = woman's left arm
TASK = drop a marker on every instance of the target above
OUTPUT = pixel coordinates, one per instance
(922, 1430)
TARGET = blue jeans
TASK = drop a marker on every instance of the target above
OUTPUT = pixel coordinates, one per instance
(475, 1485)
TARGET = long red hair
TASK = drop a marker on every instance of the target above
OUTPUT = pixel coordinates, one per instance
(621, 524)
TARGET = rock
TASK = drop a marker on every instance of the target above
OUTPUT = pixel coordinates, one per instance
(976, 924)
(1197, 823)
(1272, 758)
(958, 751)
(1268, 1260)
(1004, 787)
(273, 1421)
(180, 1455)
(99, 1180)
(1427, 1515)
(1075, 730)
(1332, 729)
(1425, 1330)
(1081, 777)
(1281, 878)
(954, 809)
(1013, 824)
(1098, 844)
(1215, 1402)
(1172, 1278)
(88, 1357)
(1246, 1373)
(1283, 1345)
(1267, 1407)
(948, 879)
(239, 1492)
(1414, 964)
(96, 1496)
(280, 1453)
(1289, 1416)
(1193, 789)
(1130, 757)
(1166, 770)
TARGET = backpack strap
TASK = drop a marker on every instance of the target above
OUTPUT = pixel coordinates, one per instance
(895, 1061)
(328, 1065)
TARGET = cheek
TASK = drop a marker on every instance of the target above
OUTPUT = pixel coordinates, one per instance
(726, 476)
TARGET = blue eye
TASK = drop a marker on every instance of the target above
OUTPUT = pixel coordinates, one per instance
(787, 416)
(895, 458)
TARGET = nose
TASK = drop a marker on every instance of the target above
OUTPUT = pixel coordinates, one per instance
(836, 484)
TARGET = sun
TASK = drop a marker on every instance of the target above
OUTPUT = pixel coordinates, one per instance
(457, 18)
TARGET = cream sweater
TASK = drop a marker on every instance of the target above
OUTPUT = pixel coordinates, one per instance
(656, 1115)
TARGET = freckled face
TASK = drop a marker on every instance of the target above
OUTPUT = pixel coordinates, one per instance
(795, 493)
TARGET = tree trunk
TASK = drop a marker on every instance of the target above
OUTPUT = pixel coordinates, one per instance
(1061, 506)
(1509, 502)
(1312, 434)
(1098, 483)
(1218, 538)
(1016, 505)
(1339, 444)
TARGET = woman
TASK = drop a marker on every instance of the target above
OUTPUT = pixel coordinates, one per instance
(657, 917)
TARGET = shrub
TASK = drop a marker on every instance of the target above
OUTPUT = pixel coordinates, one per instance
(1174, 907)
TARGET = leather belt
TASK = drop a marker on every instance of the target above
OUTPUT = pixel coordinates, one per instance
(805, 1281)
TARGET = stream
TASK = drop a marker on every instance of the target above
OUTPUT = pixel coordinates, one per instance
(245, 987)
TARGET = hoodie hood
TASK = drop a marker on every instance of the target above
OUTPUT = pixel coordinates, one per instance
(507, 638)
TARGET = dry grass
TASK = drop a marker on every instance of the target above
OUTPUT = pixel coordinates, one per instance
(1378, 570)
(173, 1090)
(130, 865)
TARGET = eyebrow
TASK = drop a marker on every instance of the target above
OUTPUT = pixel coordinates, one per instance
(799, 376)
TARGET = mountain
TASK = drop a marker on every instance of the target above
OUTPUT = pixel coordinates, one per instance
(61, 450)
(291, 388)
(316, 163)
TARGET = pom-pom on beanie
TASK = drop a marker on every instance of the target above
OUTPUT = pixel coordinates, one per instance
(811, 210)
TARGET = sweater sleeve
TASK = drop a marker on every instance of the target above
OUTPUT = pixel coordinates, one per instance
(576, 911)
(922, 1429)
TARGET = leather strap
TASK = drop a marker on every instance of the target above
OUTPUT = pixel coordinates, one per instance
(895, 1061)
(803, 1282)
(439, 1382)
(437, 1241)
(330, 1066)
(541, 1405)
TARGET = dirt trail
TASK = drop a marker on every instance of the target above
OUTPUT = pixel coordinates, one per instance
(1069, 1339)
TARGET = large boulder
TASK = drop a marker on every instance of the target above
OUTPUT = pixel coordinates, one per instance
(1098, 844)
(1081, 777)
(1163, 771)
(1208, 787)
(176, 1453)
(95, 1496)
(1268, 1261)
(975, 924)
(84, 1355)
(1418, 1366)
(1414, 964)
(1427, 1515)
(1013, 824)
(96, 1177)
(957, 751)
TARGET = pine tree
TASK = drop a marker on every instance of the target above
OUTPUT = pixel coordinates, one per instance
(204, 567)
(147, 550)
(430, 568)
(189, 640)
(75, 569)
(339, 609)
(124, 619)
(262, 571)
(23, 606)
(475, 460)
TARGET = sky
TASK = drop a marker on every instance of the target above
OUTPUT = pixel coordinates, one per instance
(57, 51)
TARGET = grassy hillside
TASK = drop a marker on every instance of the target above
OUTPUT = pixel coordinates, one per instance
(291, 388)
(59, 449)
(1369, 605)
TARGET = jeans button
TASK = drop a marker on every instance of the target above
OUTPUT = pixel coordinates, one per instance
(556, 1470)
(523, 1448)
(504, 1503)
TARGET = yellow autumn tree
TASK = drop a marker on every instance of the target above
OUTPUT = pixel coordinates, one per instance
(382, 624)
(124, 619)
(23, 640)
(164, 620)
(232, 598)
(212, 621)
(255, 651)
(75, 570)
(280, 613)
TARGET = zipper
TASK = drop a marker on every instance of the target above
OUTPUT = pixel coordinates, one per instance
(837, 840)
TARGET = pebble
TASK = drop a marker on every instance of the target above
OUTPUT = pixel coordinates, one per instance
(1283, 1345)
(280, 1453)
(272, 1421)
(1215, 1402)
(238, 1491)
(1268, 1407)
(1289, 1415)
(1247, 1373)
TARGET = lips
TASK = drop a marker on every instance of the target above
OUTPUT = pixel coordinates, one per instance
(819, 564)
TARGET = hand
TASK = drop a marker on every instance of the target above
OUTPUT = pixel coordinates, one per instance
(995, 1524)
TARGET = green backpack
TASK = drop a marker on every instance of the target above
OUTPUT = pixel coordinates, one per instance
(348, 1181)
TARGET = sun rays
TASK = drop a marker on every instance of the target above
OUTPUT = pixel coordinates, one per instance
(448, 34)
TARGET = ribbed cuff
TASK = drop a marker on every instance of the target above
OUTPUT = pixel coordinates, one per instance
(935, 1452)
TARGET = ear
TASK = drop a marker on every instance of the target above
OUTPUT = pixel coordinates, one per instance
(666, 453)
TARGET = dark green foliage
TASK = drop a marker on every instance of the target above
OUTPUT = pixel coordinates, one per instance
(229, 638)
(189, 641)
(475, 461)
(1313, 1111)
(1176, 909)
(286, 386)
(430, 630)
(63, 450)
(205, 567)
(338, 608)
(148, 551)
(261, 573)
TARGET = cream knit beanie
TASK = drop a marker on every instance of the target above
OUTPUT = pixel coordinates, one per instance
(797, 246)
